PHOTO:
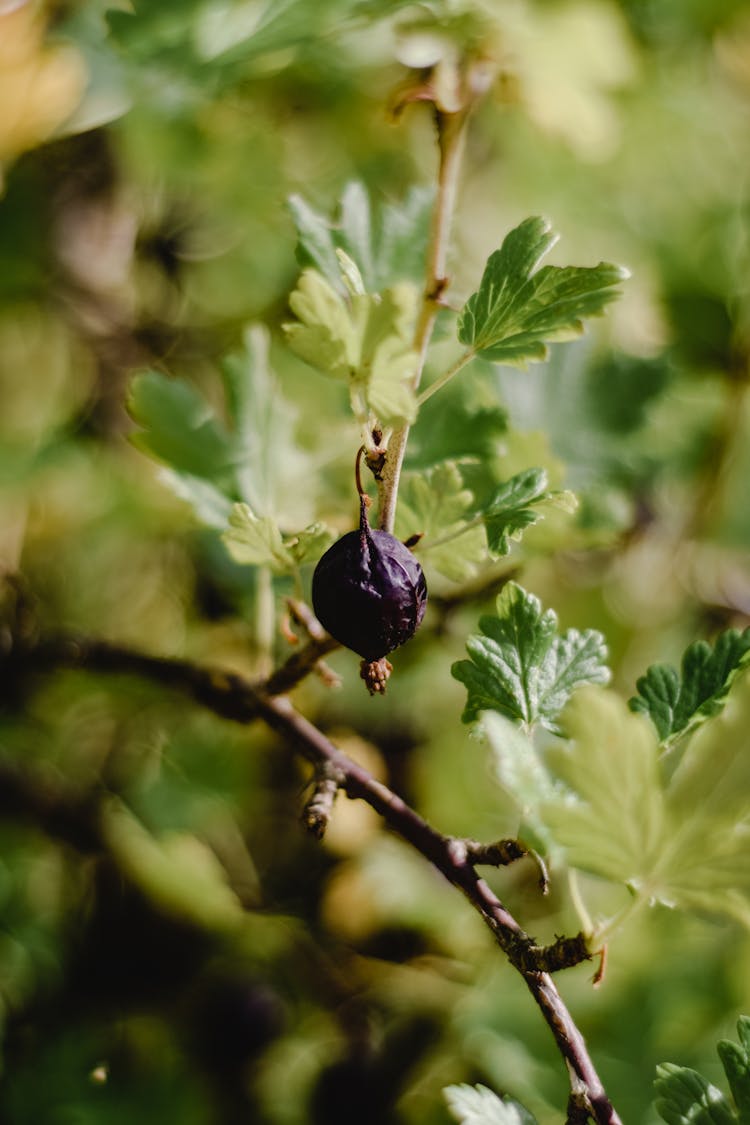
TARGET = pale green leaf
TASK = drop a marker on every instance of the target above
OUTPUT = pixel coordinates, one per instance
(210, 504)
(365, 339)
(308, 545)
(522, 667)
(519, 308)
(256, 540)
(612, 819)
(476, 1105)
(437, 505)
(684, 1097)
(678, 702)
(387, 247)
(323, 334)
(521, 771)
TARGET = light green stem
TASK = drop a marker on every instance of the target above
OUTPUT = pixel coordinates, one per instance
(451, 134)
(265, 621)
(445, 377)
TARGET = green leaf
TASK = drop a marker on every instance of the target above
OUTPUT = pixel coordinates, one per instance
(521, 771)
(610, 819)
(210, 504)
(258, 541)
(387, 248)
(678, 702)
(684, 1097)
(522, 667)
(365, 340)
(272, 476)
(476, 1105)
(179, 427)
(519, 308)
(177, 871)
(323, 335)
(735, 1058)
(437, 505)
(682, 840)
(517, 504)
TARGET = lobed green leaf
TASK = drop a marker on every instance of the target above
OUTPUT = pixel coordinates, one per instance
(522, 667)
(677, 702)
(437, 505)
(519, 308)
(365, 340)
(258, 541)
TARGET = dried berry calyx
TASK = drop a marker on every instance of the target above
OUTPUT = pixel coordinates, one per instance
(370, 593)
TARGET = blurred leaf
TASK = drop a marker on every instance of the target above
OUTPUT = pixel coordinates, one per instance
(612, 819)
(522, 772)
(324, 334)
(178, 872)
(684, 1097)
(257, 540)
(365, 340)
(437, 505)
(210, 465)
(476, 1105)
(520, 665)
(42, 83)
(678, 702)
(735, 1058)
(263, 424)
(519, 308)
(179, 427)
(682, 841)
(387, 248)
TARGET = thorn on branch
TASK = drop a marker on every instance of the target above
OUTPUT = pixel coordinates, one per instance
(317, 812)
(598, 976)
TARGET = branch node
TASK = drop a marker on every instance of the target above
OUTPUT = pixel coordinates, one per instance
(501, 853)
(317, 811)
(562, 953)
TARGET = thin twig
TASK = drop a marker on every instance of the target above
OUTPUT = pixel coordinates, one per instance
(231, 696)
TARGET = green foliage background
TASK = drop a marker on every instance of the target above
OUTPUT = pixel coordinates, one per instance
(218, 965)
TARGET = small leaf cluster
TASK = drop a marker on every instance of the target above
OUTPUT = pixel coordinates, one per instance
(602, 795)
(352, 304)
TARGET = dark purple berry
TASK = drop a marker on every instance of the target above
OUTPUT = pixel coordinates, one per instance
(369, 592)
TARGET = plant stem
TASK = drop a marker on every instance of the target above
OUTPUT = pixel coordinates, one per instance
(445, 377)
(232, 697)
(451, 130)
